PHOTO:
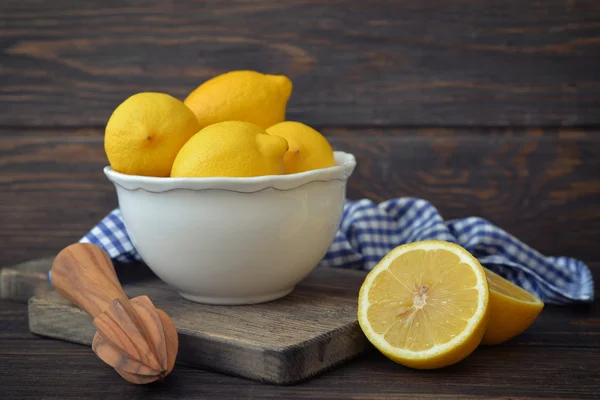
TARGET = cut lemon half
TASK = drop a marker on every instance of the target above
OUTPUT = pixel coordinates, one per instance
(425, 304)
(512, 310)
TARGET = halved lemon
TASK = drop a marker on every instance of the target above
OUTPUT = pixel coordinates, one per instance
(512, 310)
(425, 304)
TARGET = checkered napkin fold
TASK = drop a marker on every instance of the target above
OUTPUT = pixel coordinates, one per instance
(368, 231)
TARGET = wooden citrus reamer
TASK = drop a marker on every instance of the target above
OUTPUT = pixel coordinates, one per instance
(138, 340)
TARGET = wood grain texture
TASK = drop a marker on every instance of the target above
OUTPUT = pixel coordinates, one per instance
(25, 280)
(542, 186)
(136, 339)
(13, 320)
(431, 63)
(22, 281)
(281, 342)
(501, 372)
(84, 275)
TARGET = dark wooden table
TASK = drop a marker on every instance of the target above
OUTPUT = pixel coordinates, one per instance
(557, 357)
(483, 108)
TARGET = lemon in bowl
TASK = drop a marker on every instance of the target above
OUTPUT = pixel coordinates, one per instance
(241, 95)
(232, 149)
(219, 207)
(234, 240)
(145, 133)
(307, 148)
(228, 226)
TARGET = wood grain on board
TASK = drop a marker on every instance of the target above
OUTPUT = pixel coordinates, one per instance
(409, 63)
(542, 186)
(281, 342)
(562, 344)
(22, 281)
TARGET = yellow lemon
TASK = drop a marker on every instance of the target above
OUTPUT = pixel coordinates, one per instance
(241, 96)
(231, 148)
(512, 310)
(308, 149)
(425, 304)
(145, 133)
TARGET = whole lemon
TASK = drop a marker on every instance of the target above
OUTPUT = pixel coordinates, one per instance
(231, 148)
(145, 133)
(308, 149)
(248, 96)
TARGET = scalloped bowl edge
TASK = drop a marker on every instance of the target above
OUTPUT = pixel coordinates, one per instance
(346, 163)
(234, 240)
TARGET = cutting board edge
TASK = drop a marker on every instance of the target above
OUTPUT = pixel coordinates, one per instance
(40, 311)
(349, 342)
(22, 281)
(284, 365)
(45, 311)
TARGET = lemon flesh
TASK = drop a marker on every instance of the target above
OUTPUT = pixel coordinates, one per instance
(425, 305)
(512, 310)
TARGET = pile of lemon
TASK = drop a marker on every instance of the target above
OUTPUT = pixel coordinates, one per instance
(232, 125)
(425, 305)
(430, 304)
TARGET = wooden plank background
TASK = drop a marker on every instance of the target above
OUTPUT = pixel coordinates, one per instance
(484, 108)
(413, 62)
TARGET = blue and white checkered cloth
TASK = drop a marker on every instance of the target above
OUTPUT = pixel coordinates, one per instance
(368, 231)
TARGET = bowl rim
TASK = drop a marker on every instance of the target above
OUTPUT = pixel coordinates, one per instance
(345, 164)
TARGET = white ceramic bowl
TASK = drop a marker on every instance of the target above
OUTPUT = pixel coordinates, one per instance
(234, 240)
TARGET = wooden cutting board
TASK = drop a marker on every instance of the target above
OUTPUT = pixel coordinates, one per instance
(22, 281)
(281, 342)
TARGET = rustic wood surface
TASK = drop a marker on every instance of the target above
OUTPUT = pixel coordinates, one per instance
(281, 342)
(25, 280)
(483, 108)
(34, 369)
(557, 357)
(22, 281)
(415, 62)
